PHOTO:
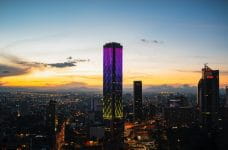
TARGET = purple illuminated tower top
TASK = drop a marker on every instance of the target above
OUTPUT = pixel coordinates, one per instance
(112, 81)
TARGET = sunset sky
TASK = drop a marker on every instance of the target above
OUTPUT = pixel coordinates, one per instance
(59, 43)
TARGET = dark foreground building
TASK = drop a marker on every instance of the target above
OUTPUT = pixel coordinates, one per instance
(51, 124)
(226, 100)
(208, 97)
(138, 100)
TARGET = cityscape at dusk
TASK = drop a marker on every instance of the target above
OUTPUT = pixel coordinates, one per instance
(113, 75)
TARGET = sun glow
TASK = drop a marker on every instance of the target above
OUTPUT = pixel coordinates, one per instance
(55, 77)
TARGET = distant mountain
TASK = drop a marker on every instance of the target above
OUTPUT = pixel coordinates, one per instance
(83, 88)
(48, 89)
(169, 88)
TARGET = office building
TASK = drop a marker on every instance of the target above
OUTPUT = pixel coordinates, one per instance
(208, 97)
(226, 103)
(138, 100)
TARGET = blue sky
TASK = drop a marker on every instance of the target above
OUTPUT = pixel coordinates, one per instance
(158, 36)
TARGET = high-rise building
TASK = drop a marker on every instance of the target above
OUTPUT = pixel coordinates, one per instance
(112, 81)
(112, 94)
(226, 103)
(208, 96)
(138, 100)
(51, 123)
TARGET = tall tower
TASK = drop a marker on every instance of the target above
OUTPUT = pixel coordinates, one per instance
(112, 94)
(208, 96)
(138, 100)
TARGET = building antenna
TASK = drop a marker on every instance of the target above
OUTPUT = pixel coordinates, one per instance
(205, 65)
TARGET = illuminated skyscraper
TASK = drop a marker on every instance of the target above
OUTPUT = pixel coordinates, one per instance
(112, 94)
(112, 81)
(208, 96)
(138, 100)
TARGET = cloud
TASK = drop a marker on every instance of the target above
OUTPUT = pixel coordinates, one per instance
(151, 41)
(91, 77)
(69, 58)
(70, 63)
(62, 65)
(190, 71)
(2, 83)
(198, 57)
(19, 66)
(224, 72)
(6, 70)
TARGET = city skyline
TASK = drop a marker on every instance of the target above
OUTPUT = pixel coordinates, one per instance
(114, 75)
(52, 44)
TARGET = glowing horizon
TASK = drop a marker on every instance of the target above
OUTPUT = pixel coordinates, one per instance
(31, 80)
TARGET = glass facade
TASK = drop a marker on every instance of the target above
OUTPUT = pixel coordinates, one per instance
(112, 81)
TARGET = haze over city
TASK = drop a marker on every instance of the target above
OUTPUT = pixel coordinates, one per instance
(59, 43)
